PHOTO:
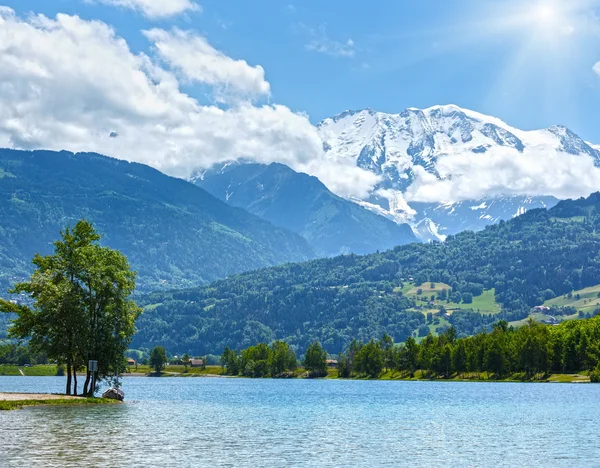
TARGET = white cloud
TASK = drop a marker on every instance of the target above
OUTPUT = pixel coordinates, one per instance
(193, 57)
(596, 69)
(505, 171)
(155, 8)
(320, 42)
(68, 83)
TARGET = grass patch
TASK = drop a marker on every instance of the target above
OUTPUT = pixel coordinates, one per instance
(42, 370)
(177, 371)
(18, 404)
(584, 300)
(485, 304)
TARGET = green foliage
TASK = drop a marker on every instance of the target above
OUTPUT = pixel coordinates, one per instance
(595, 375)
(15, 354)
(81, 307)
(334, 300)
(174, 233)
(158, 359)
(260, 360)
(315, 360)
(370, 359)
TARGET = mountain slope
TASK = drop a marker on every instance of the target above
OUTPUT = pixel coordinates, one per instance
(397, 146)
(304, 205)
(174, 233)
(523, 262)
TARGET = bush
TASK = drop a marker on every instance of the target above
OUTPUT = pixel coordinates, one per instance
(595, 375)
(60, 371)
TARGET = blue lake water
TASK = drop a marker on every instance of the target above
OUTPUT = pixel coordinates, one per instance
(275, 423)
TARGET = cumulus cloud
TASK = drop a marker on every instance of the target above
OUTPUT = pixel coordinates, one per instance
(193, 57)
(155, 8)
(504, 171)
(68, 83)
(597, 69)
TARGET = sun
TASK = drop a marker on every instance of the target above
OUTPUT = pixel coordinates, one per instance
(546, 13)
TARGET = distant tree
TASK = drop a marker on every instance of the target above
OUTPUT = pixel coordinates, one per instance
(186, 360)
(387, 345)
(467, 298)
(419, 292)
(432, 285)
(370, 359)
(158, 358)
(315, 360)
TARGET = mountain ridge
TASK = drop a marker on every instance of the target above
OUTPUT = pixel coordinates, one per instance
(174, 233)
(303, 204)
(396, 146)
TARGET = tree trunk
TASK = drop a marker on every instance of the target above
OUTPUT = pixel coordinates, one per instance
(87, 383)
(68, 392)
(74, 381)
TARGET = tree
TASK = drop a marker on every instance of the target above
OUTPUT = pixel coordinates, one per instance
(158, 358)
(281, 359)
(315, 360)
(370, 359)
(81, 308)
(186, 360)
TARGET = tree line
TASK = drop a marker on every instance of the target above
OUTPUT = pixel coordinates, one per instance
(276, 360)
(533, 350)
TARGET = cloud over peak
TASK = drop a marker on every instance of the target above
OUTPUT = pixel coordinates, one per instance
(69, 83)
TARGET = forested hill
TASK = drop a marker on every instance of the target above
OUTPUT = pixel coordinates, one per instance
(527, 260)
(174, 233)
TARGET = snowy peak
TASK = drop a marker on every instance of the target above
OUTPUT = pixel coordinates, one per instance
(401, 147)
(392, 145)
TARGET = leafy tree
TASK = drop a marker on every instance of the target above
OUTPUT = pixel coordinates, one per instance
(186, 360)
(158, 359)
(315, 361)
(370, 359)
(81, 308)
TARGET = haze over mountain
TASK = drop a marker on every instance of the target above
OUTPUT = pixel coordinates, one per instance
(174, 233)
(445, 169)
(302, 204)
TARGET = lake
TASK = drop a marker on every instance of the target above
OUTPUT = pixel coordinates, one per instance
(313, 423)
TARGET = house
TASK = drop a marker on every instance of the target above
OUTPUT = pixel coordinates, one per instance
(196, 362)
(331, 363)
(541, 308)
(130, 362)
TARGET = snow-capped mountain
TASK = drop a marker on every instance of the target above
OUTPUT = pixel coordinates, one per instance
(396, 146)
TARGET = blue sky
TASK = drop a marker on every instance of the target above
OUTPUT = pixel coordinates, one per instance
(530, 64)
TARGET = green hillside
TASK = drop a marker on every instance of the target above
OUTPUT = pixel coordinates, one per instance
(174, 233)
(586, 300)
(524, 262)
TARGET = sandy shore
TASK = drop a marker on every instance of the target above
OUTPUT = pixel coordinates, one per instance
(34, 396)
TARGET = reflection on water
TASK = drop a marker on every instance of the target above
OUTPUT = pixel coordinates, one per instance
(238, 422)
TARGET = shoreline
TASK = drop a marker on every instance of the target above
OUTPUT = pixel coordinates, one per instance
(15, 400)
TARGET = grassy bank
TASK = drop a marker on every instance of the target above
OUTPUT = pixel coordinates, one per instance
(216, 371)
(41, 370)
(18, 404)
(482, 377)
